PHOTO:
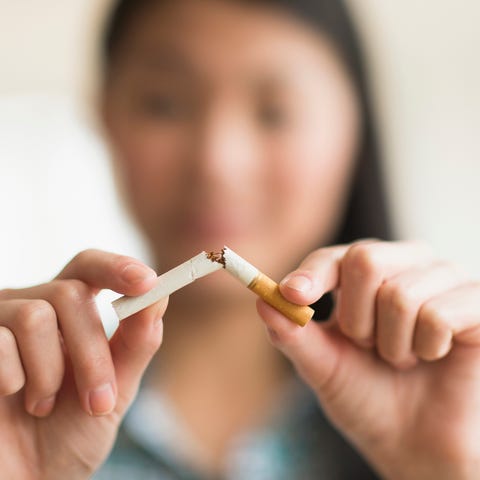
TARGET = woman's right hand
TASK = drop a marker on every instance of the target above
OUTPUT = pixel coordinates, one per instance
(64, 387)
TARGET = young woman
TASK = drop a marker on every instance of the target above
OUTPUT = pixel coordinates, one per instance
(247, 124)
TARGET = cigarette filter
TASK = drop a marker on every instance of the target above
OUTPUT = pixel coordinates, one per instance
(167, 283)
(263, 286)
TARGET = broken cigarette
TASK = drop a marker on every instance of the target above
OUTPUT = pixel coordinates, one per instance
(167, 283)
(263, 286)
(203, 264)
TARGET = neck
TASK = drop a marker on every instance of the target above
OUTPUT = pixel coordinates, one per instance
(216, 339)
(218, 368)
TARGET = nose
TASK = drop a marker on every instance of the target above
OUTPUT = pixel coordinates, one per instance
(227, 153)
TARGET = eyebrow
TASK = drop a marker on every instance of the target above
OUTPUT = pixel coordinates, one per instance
(170, 60)
(166, 60)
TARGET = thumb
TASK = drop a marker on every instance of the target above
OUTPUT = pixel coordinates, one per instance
(133, 346)
(313, 349)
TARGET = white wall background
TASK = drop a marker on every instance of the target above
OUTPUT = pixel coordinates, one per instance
(426, 73)
(425, 61)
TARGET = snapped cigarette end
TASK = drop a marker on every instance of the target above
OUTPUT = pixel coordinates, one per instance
(204, 264)
(171, 281)
(267, 289)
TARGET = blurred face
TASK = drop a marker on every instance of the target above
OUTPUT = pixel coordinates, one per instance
(230, 124)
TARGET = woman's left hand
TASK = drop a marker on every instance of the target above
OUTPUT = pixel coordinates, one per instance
(397, 367)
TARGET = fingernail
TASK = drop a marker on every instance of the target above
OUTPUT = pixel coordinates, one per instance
(300, 283)
(135, 273)
(43, 407)
(102, 400)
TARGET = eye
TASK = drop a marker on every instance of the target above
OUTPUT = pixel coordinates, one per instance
(272, 116)
(166, 107)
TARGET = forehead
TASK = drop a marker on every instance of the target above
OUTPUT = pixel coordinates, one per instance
(222, 36)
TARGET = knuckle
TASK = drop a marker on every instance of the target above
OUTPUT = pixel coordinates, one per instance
(48, 380)
(390, 356)
(12, 385)
(95, 364)
(80, 257)
(45, 386)
(7, 340)
(431, 318)
(398, 299)
(120, 261)
(6, 293)
(432, 355)
(351, 330)
(361, 260)
(403, 362)
(34, 315)
(12, 377)
(433, 338)
(398, 355)
(73, 291)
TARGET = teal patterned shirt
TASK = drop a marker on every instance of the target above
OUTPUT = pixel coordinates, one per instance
(295, 442)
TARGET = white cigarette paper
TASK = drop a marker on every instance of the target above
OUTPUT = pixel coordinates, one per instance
(264, 287)
(167, 283)
(239, 267)
(203, 264)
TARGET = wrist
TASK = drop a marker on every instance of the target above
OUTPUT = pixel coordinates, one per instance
(433, 471)
(417, 467)
(61, 471)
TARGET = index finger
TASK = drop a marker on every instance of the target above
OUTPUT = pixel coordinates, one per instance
(99, 269)
(318, 274)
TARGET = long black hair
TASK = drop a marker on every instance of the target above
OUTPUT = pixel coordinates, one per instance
(366, 214)
(366, 210)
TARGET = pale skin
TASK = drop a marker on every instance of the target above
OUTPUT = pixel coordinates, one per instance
(395, 368)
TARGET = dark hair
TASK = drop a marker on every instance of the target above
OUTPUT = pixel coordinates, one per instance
(366, 211)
